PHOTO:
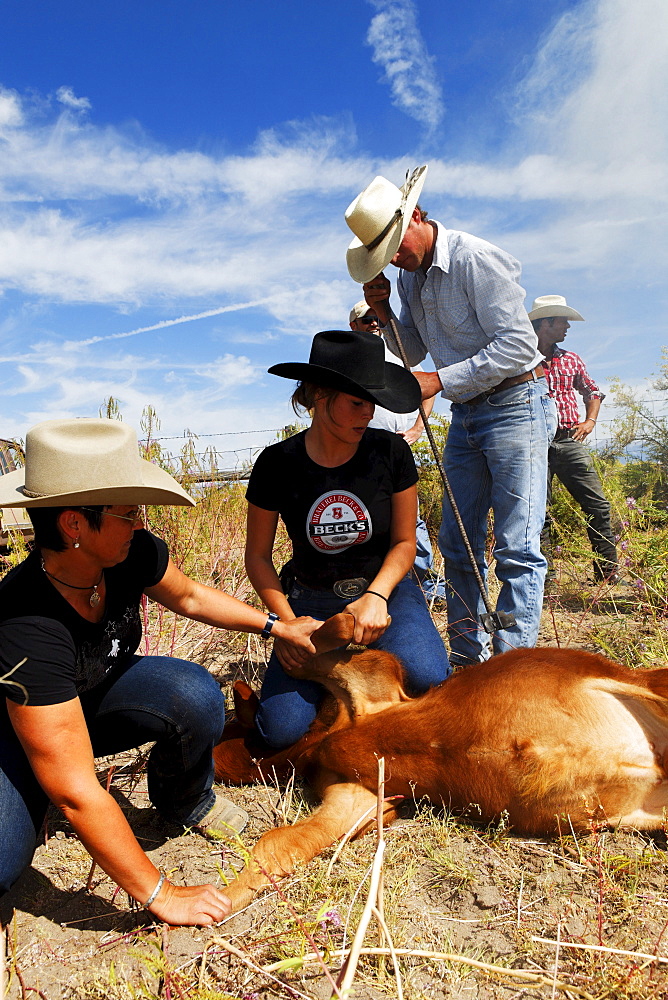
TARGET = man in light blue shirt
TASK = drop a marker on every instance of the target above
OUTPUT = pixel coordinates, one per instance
(462, 303)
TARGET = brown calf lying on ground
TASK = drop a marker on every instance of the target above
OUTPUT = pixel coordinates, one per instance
(545, 736)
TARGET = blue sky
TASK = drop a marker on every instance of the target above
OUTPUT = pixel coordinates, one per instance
(165, 161)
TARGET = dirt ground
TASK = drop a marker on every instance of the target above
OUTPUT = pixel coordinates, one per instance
(450, 887)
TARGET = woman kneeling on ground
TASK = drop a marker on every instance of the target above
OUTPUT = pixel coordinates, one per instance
(348, 498)
(75, 689)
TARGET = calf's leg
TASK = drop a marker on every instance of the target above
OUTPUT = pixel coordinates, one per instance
(279, 851)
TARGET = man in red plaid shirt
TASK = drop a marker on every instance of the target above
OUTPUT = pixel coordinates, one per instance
(568, 459)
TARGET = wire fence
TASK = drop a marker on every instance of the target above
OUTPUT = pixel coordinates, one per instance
(233, 461)
(216, 463)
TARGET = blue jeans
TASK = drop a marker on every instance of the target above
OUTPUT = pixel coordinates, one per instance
(496, 457)
(288, 706)
(173, 702)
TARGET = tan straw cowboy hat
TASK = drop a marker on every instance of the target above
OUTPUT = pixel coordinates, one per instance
(379, 218)
(87, 461)
(547, 306)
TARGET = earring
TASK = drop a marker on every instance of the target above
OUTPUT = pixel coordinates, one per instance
(76, 543)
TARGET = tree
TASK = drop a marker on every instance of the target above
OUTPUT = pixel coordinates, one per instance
(639, 423)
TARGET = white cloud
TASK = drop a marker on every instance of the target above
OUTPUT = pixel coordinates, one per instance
(66, 96)
(11, 115)
(603, 127)
(92, 216)
(74, 383)
(561, 63)
(621, 114)
(400, 49)
(131, 224)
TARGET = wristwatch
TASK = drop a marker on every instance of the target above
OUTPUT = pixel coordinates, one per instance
(271, 618)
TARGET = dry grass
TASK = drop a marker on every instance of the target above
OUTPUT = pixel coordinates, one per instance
(465, 907)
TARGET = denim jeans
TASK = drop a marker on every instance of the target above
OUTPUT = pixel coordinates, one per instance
(496, 458)
(173, 702)
(571, 462)
(288, 706)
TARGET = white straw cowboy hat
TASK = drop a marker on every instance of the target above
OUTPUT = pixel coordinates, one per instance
(547, 306)
(87, 461)
(379, 218)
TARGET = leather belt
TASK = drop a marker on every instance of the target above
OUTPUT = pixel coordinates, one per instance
(563, 433)
(350, 588)
(530, 376)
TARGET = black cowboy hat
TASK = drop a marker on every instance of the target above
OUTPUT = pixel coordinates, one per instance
(355, 363)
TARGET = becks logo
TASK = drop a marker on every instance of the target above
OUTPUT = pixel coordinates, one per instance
(336, 521)
(338, 529)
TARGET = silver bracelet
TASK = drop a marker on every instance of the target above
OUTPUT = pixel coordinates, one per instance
(154, 895)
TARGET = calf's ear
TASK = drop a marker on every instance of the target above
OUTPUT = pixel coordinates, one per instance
(337, 631)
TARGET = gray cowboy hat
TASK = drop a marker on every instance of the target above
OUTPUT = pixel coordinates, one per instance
(355, 363)
(87, 461)
(379, 218)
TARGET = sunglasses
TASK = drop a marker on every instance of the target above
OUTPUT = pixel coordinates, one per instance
(368, 320)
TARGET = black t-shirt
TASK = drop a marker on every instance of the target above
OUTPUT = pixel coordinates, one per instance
(339, 520)
(66, 655)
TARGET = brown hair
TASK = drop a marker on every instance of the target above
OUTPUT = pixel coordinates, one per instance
(536, 323)
(307, 393)
(424, 215)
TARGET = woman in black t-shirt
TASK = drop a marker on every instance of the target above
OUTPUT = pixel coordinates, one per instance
(74, 687)
(348, 499)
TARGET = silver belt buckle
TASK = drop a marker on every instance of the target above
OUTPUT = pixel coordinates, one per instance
(353, 587)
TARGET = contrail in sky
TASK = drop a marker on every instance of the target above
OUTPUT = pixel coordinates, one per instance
(410, 70)
(170, 322)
